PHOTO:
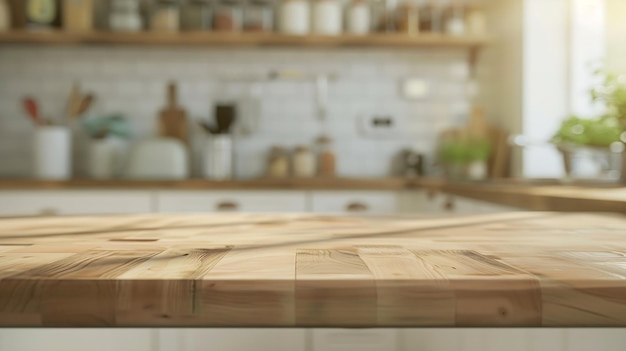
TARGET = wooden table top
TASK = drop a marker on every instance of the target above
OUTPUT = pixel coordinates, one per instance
(511, 269)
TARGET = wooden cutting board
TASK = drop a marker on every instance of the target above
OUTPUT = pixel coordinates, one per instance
(173, 119)
(262, 270)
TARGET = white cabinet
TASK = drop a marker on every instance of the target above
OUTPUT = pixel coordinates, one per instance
(74, 202)
(355, 339)
(78, 340)
(238, 201)
(372, 202)
(232, 339)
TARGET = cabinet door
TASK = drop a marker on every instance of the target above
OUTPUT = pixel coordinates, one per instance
(77, 339)
(231, 201)
(232, 339)
(74, 202)
(374, 202)
(355, 339)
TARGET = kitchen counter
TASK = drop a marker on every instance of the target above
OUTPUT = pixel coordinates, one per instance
(511, 269)
(542, 196)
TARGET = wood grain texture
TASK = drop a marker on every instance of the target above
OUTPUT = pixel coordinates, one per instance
(507, 269)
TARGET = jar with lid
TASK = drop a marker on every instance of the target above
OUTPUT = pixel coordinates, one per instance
(258, 16)
(5, 16)
(294, 17)
(407, 18)
(42, 14)
(124, 16)
(228, 16)
(277, 163)
(326, 158)
(327, 15)
(165, 16)
(475, 21)
(455, 20)
(78, 15)
(303, 162)
(196, 15)
(358, 17)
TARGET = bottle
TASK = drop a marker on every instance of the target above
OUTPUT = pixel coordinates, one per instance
(5, 16)
(125, 16)
(42, 14)
(78, 15)
(358, 17)
(326, 158)
(303, 162)
(326, 17)
(196, 15)
(165, 16)
(278, 163)
(294, 17)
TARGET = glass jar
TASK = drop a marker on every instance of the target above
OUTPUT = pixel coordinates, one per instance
(294, 17)
(303, 162)
(455, 20)
(407, 18)
(327, 17)
(277, 163)
(196, 15)
(42, 14)
(227, 16)
(124, 16)
(259, 16)
(475, 21)
(358, 17)
(326, 162)
(165, 16)
(78, 15)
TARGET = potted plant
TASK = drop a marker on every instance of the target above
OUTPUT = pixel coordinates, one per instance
(465, 158)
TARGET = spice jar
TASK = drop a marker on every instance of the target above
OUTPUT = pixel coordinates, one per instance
(326, 158)
(358, 17)
(407, 18)
(124, 16)
(258, 16)
(196, 15)
(42, 14)
(278, 163)
(326, 17)
(78, 15)
(5, 16)
(455, 20)
(227, 16)
(165, 16)
(303, 162)
(294, 17)
(475, 21)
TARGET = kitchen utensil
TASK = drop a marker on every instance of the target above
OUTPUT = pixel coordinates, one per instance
(158, 158)
(32, 109)
(85, 103)
(225, 115)
(52, 152)
(74, 101)
(173, 119)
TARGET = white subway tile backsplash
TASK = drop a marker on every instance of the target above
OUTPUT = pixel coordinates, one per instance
(133, 81)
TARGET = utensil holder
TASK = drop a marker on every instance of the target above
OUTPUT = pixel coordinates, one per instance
(218, 157)
(106, 158)
(52, 153)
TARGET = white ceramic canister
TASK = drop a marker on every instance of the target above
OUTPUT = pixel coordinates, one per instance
(218, 157)
(327, 17)
(106, 158)
(52, 153)
(294, 17)
(358, 17)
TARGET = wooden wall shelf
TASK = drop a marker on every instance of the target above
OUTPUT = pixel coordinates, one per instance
(241, 39)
